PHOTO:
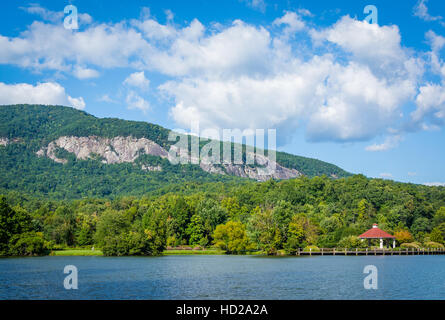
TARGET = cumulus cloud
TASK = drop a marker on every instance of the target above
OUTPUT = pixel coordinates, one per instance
(336, 101)
(44, 13)
(138, 80)
(134, 101)
(386, 175)
(54, 16)
(85, 73)
(50, 93)
(106, 98)
(437, 42)
(292, 21)
(259, 5)
(51, 46)
(435, 184)
(421, 10)
(348, 81)
(390, 143)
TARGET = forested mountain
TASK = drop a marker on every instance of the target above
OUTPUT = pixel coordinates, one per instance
(70, 179)
(65, 153)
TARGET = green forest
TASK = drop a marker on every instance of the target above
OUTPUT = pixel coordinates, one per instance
(274, 217)
(122, 210)
(34, 126)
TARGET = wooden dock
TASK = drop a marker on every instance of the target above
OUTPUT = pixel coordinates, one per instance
(369, 252)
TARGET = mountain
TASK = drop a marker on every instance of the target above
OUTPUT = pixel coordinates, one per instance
(62, 152)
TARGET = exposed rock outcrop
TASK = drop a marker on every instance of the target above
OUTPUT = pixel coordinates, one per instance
(151, 168)
(111, 150)
(265, 170)
(4, 141)
(128, 149)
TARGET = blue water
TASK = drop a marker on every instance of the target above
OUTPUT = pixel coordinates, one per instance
(224, 277)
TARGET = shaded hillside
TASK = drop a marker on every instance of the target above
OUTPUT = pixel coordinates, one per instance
(27, 129)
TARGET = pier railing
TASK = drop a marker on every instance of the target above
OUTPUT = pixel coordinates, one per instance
(369, 251)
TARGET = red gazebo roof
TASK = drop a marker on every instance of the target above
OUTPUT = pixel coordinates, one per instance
(375, 233)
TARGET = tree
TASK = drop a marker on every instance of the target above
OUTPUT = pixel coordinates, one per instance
(365, 211)
(439, 217)
(60, 226)
(211, 214)
(154, 225)
(351, 242)
(282, 215)
(28, 244)
(296, 235)
(301, 232)
(12, 223)
(264, 231)
(85, 230)
(180, 212)
(111, 226)
(331, 224)
(436, 235)
(196, 231)
(421, 224)
(403, 236)
(231, 237)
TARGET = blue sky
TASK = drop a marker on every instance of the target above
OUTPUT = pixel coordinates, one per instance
(367, 97)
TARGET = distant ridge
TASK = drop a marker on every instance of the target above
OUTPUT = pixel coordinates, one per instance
(69, 153)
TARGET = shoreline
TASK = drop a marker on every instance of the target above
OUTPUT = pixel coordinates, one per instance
(350, 252)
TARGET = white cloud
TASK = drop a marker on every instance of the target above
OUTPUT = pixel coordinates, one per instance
(386, 175)
(106, 98)
(435, 184)
(49, 93)
(237, 49)
(85, 73)
(376, 47)
(137, 79)
(430, 104)
(304, 12)
(348, 101)
(345, 82)
(421, 10)
(134, 101)
(333, 99)
(292, 21)
(47, 46)
(44, 13)
(54, 16)
(437, 42)
(259, 5)
(390, 143)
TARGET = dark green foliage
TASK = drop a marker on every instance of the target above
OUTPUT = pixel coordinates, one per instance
(281, 215)
(12, 223)
(127, 211)
(34, 126)
(28, 244)
(196, 231)
(16, 235)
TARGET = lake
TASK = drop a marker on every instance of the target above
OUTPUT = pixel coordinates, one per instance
(224, 277)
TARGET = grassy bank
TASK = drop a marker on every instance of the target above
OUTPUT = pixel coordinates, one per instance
(97, 252)
(193, 252)
(77, 252)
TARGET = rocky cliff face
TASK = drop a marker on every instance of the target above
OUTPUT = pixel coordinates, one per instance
(4, 141)
(114, 150)
(128, 149)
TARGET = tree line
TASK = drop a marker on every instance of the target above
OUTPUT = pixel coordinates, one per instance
(271, 217)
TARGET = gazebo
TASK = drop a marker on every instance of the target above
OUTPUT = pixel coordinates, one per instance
(376, 233)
